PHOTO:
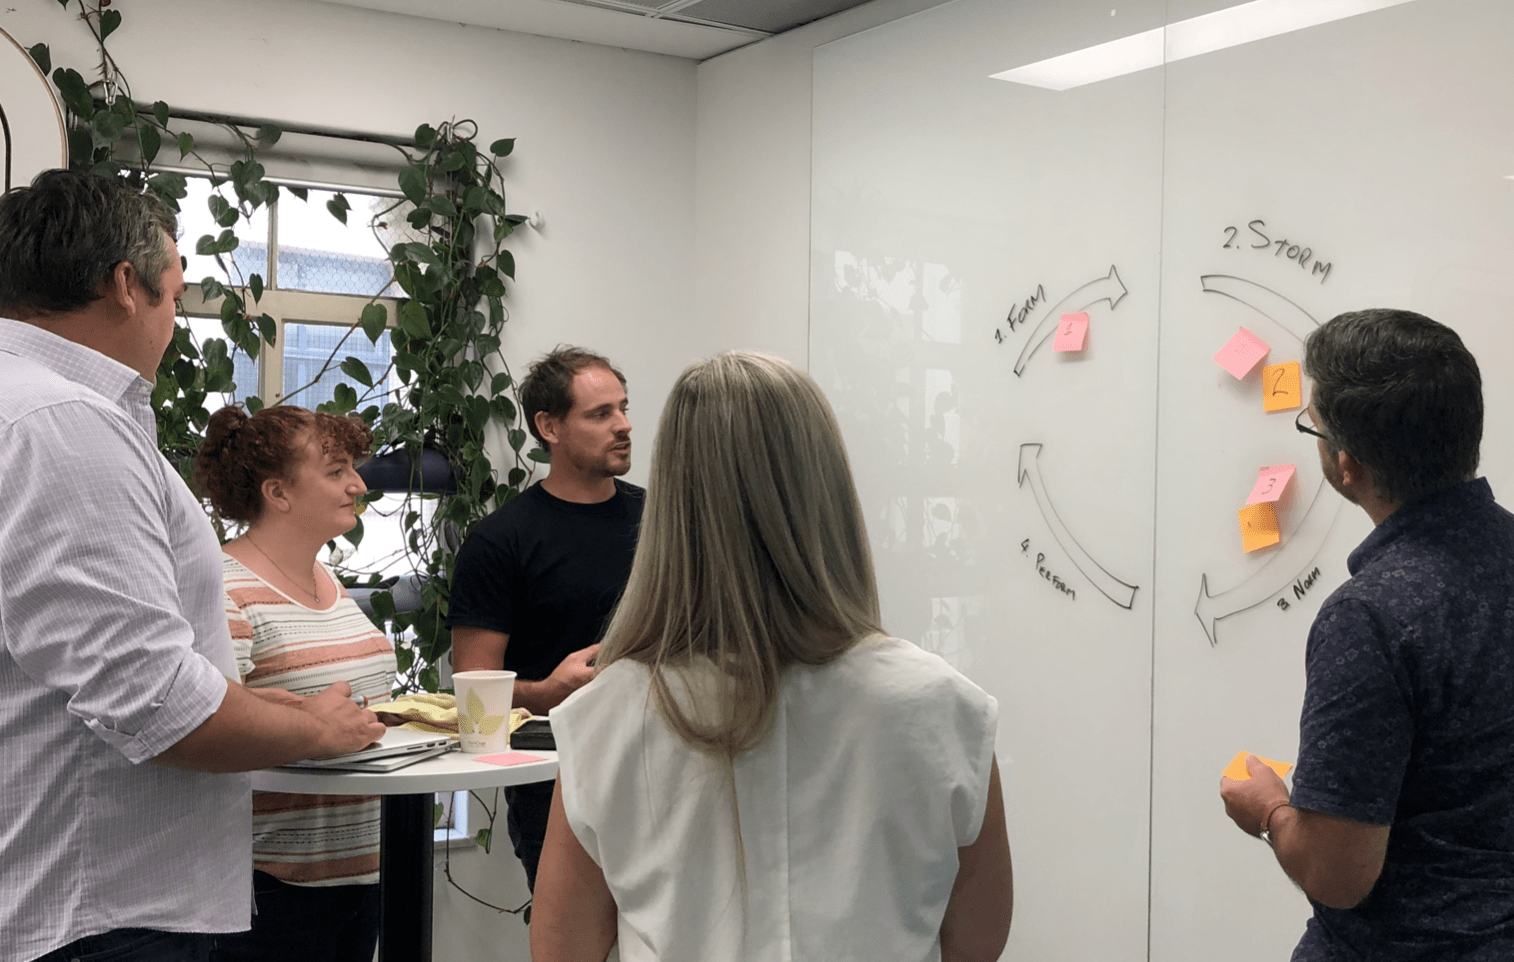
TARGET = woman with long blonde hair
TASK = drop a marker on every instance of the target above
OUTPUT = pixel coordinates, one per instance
(757, 771)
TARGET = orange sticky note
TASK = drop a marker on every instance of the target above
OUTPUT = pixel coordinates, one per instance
(1237, 766)
(1259, 528)
(1282, 387)
(1071, 329)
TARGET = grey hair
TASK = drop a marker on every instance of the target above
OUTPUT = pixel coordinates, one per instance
(62, 238)
(753, 554)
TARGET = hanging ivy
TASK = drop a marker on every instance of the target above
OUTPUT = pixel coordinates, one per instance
(452, 270)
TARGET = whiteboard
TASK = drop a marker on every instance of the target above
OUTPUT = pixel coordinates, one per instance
(1062, 526)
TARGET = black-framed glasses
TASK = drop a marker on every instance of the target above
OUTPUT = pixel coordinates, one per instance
(1303, 428)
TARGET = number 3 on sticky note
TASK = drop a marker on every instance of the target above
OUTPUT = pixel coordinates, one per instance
(1282, 388)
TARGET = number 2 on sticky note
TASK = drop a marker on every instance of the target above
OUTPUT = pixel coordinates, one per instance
(1282, 388)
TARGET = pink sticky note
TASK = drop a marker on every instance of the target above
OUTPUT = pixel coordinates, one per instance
(1270, 483)
(508, 758)
(1071, 329)
(1241, 352)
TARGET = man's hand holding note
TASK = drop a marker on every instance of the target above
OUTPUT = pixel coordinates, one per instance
(1252, 788)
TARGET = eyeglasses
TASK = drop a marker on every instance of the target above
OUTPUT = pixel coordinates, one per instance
(1303, 428)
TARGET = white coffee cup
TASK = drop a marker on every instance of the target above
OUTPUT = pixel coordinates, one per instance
(483, 709)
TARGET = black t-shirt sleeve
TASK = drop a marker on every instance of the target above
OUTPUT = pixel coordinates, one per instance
(1357, 729)
(480, 586)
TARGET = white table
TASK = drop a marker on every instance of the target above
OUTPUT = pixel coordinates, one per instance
(405, 856)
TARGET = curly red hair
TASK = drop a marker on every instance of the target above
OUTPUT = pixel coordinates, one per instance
(239, 452)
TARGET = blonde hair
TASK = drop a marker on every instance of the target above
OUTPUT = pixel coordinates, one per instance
(753, 554)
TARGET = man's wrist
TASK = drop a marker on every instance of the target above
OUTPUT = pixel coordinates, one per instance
(1264, 830)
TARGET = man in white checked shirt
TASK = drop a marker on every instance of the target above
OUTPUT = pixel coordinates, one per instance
(121, 835)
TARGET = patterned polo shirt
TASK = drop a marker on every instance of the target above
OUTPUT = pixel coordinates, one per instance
(1408, 721)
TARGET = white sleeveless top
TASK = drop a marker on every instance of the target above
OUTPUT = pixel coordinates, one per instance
(852, 810)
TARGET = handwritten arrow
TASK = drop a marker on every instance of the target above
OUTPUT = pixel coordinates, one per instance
(1265, 301)
(1275, 575)
(1112, 588)
(1304, 543)
(1109, 289)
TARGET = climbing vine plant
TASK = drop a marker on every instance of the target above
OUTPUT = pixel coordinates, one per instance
(451, 270)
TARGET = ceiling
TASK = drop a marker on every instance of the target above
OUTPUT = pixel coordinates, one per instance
(696, 29)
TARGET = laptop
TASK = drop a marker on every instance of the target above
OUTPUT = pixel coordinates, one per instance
(399, 747)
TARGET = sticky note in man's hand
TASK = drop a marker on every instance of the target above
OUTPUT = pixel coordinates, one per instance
(1282, 388)
(1241, 352)
(1071, 329)
(1237, 766)
(1259, 527)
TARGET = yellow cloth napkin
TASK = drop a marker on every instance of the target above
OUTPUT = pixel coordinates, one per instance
(436, 713)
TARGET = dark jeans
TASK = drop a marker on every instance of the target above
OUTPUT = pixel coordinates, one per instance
(134, 945)
(305, 923)
(526, 821)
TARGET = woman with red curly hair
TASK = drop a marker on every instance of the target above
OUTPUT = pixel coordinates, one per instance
(288, 474)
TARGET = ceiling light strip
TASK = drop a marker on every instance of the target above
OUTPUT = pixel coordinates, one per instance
(1194, 37)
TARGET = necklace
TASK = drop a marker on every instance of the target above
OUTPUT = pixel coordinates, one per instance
(313, 587)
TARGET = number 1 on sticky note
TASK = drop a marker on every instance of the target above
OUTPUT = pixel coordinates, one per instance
(1282, 387)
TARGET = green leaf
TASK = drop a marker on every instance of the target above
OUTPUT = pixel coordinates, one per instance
(300, 192)
(42, 57)
(383, 604)
(255, 284)
(355, 535)
(413, 182)
(358, 371)
(344, 397)
(169, 185)
(150, 142)
(210, 288)
(425, 136)
(106, 127)
(268, 328)
(502, 148)
(109, 21)
(254, 404)
(442, 206)
(475, 707)
(269, 134)
(75, 92)
(517, 439)
(454, 160)
(339, 207)
(482, 837)
(413, 320)
(186, 145)
(374, 319)
(436, 813)
(539, 455)
(507, 264)
(160, 113)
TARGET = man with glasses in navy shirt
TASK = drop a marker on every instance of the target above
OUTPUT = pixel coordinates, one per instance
(1400, 828)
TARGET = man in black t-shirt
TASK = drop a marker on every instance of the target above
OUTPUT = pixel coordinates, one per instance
(537, 580)
(1400, 826)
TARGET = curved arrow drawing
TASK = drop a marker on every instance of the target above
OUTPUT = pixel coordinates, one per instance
(1265, 301)
(1283, 568)
(1110, 289)
(1113, 588)
(1304, 543)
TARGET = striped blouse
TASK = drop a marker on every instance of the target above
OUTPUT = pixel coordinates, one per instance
(280, 643)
